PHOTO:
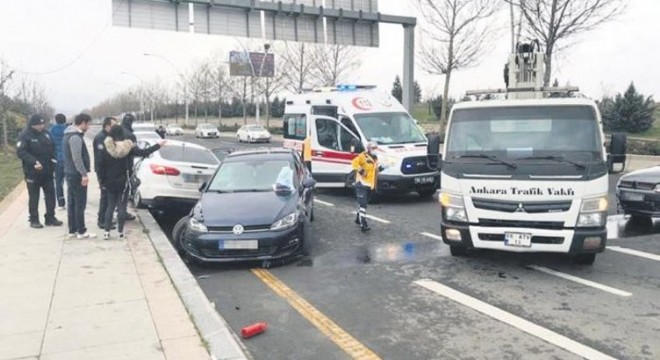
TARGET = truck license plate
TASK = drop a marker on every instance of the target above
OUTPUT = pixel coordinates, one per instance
(423, 180)
(629, 196)
(518, 239)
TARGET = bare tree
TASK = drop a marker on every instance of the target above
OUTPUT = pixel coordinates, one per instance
(334, 64)
(220, 82)
(556, 20)
(240, 88)
(297, 64)
(454, 37)
(5, 76)
(200, 85)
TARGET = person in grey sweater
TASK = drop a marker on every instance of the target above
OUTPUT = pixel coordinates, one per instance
(76, 167)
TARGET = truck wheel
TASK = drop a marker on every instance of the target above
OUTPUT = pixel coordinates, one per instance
(458, 250)
(585, 259)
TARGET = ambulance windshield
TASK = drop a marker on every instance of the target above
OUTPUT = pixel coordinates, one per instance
(390, 128)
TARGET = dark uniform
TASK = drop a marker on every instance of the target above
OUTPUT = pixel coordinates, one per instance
(37, 147)
(99, 149)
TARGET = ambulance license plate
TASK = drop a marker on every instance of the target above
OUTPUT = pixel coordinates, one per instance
(518, 239)
(423, 180)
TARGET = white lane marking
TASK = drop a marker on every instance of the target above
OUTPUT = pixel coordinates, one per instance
(432, 236)
(378, 219)
(582, 281)
(323, 202)
(513, 320)
(635, 252)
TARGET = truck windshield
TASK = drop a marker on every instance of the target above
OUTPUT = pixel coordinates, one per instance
(390, 128)
(525, 133)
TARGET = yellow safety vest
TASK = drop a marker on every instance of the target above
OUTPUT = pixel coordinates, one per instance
(369, 164)
(307, 149)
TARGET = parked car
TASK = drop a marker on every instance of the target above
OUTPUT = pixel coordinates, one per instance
(144, 127)
(148, 137)
(638, 193)
(206, 131)
(253, 133)
(258, 206)
(173, 130)
(173, 174)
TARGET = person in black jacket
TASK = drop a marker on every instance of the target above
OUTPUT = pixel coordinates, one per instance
(36, 150)
(114, 173)
(127, 127)
(99, 149)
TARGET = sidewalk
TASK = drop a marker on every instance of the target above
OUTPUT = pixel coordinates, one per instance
(70, 299)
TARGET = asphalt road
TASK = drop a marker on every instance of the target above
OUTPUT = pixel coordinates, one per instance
(398, 293)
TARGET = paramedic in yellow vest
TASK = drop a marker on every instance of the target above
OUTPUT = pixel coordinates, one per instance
(307, 152)
(366, 170)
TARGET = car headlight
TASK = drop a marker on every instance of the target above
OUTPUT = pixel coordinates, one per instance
(454, 207)
(387, 160)
(657, 188)
(285, 222)
(197, 225)
(593, 212)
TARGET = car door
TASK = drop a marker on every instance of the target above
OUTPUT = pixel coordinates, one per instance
(334, 151)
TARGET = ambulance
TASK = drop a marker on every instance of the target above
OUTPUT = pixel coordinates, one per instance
(341, 120)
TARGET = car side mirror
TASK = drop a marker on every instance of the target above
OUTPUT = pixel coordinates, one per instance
(308, 182)
(202, 187)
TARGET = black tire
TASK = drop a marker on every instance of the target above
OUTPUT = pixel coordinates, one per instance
(249, 140)
(306, 247)
(426, 194)
(458, 250)
(178, 232)
(239, 139)
(137, 200)
(585, 259)
(311, 215)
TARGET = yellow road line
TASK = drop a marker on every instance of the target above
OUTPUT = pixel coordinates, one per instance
(344, 340)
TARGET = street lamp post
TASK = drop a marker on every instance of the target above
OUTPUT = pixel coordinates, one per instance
(261, 70)
(183, 80)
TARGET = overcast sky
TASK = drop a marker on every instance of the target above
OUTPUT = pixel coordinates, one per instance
(79, 57)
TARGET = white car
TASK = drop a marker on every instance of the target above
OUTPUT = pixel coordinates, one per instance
(173, 130)
(206, 131)
(173, 174)
(144, 127)
(253, 133)
(150, 137)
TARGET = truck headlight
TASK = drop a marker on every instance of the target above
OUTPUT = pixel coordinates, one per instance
(197, 225)
(593, 212)
(453, 207)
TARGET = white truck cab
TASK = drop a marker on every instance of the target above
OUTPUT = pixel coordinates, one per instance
(341, 120)
(527, 174)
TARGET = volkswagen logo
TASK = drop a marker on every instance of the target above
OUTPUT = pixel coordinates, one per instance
(238, 229)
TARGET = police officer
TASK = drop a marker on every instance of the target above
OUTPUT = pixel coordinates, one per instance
(99, 149)
(366, 167)
(36, 149)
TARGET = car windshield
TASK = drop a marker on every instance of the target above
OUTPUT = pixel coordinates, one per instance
(206, 126)
(519, 133)
(253, 175)
(189, 154)
(390, 128)
(256, 128)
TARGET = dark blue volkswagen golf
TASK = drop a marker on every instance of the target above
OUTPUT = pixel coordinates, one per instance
(257, 206)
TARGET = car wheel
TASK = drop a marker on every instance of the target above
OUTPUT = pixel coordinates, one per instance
(137, 200)
(307, 240)
(239, 139)
(178, 232)
(426, 194)
(250, 140)
(458, 250)
(311, 215)
(585, 259)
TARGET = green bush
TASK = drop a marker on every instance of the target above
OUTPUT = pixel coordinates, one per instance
(643, 147)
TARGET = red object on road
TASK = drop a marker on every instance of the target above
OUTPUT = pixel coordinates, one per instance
(254, 329)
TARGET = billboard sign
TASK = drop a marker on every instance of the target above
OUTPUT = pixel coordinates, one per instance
(242, 63)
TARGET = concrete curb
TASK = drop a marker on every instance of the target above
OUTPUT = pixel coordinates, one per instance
(223, 344)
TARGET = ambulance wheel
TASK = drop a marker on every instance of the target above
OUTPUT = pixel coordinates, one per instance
(458, 250)
(585, 259)
(425, 194)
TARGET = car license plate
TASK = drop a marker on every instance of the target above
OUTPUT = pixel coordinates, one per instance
(238, 244)
(629, 196)
(517, 239)
(423, 180)
(194, 179)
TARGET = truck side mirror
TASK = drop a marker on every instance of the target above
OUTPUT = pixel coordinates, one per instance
(434, 158)
(617, 151)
